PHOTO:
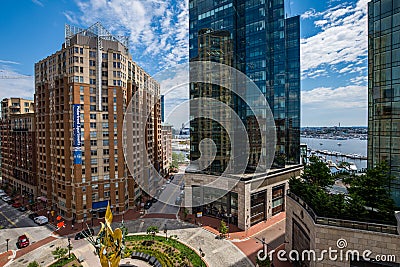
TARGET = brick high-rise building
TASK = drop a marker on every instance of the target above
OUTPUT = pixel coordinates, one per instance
(166, 130)
(82, 94)
(18, 147)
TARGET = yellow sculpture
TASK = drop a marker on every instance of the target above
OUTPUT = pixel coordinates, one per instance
(109, 244)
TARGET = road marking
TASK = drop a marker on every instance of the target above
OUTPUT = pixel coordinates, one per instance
(165, 204)
(2, 214)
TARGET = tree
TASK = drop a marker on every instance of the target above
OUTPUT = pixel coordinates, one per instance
(223, 229)
(263, 262)
(152, 230)
(59, 252)
(33, 264)
(317, 173)
(373, 189)
(185, 213)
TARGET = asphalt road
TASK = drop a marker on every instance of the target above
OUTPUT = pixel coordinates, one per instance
(12, 218)
(166, 201)
(15, 223)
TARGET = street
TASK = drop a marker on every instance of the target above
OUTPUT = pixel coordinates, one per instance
(16, 223)
(12, 218)
(166, 201)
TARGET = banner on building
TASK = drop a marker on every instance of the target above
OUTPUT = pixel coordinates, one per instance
(76, 129)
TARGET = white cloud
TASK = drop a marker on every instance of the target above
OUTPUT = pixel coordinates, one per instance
(37, 2)
(157, 28)
(71, 17)
(326, 106)
(342, 97)
(9, 62)
(13, 84)
(342, 39)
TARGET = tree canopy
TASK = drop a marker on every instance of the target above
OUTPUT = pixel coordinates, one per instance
(369, 196)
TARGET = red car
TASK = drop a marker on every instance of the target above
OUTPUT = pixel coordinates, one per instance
(23, 241)
(16, 205)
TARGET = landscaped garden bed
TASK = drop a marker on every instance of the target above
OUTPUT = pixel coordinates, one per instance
(169, 252)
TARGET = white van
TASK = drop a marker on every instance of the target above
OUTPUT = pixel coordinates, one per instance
(41, 220)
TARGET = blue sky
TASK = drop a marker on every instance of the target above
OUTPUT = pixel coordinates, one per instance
(333, 46)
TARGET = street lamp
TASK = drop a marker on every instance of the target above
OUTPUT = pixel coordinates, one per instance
(202, 255)
(265, 245)
(69, 248)
(229, 216)
(165, 231)
(7, 242)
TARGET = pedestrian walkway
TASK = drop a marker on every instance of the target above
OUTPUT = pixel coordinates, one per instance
(212, 225)
(39, 252)
(218, 253)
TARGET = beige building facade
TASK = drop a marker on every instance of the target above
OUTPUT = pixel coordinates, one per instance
(247, 199)
(307, 232)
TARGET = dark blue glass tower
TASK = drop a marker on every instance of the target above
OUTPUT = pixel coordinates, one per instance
(265, 46)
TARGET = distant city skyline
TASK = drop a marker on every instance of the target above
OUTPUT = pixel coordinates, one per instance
(333, 47)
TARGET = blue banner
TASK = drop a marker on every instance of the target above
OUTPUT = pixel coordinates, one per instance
(76, 132)
(77, 157)
(76, 125)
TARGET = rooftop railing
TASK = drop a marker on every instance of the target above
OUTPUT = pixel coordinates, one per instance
(367, 226)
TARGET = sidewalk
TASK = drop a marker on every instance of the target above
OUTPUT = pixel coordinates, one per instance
(212, 224)
(68, 230)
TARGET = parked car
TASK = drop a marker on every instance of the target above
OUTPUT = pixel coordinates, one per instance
(168, 181)
(22, 208)
(163, 187)
(84, 234)
(7, 199)
(23, 241)
(16, 205)
(1, 191)
(182, 186)
(32, 216)
(172, 177)
(178, 201)
(154, 200)
(41, 220)
(2, 194)
(182, 192)
(148, 204)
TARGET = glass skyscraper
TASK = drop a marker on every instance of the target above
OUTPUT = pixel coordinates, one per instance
(254, 37)
(384, 87)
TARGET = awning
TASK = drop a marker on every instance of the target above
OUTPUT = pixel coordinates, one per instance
(99, 205)
(42, 198)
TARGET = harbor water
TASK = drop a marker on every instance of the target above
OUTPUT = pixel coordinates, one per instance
(349, 146)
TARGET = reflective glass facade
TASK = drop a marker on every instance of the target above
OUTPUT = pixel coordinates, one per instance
(256, 39)
(384, 87)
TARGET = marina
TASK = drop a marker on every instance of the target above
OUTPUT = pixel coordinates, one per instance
(349, 154)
